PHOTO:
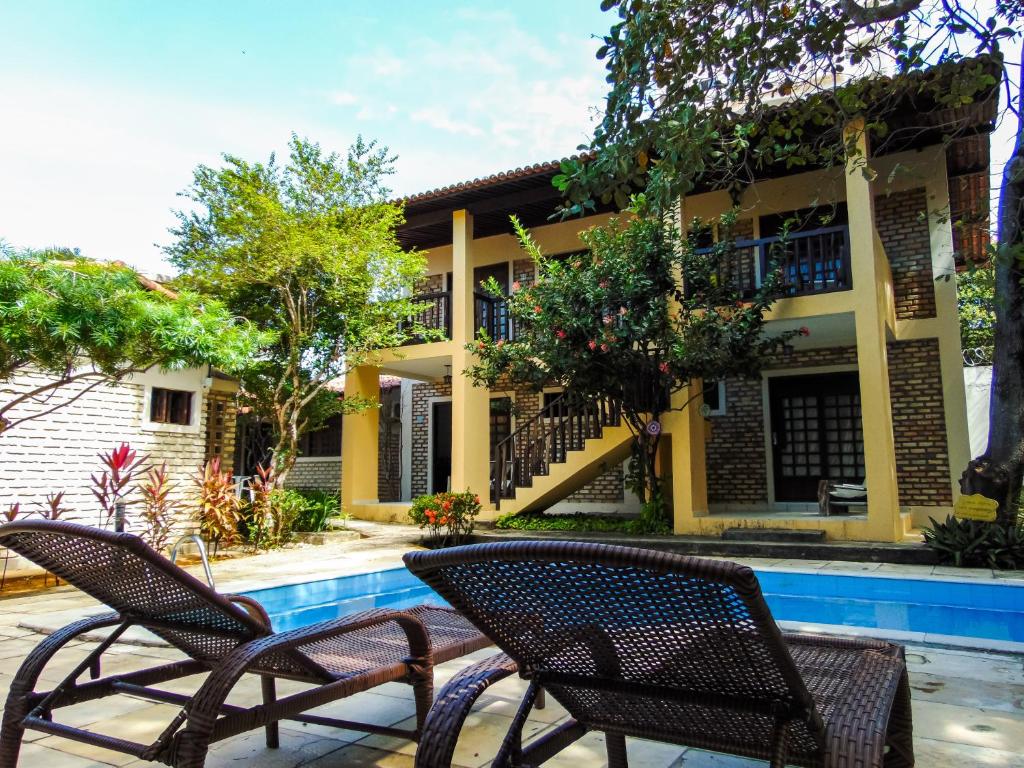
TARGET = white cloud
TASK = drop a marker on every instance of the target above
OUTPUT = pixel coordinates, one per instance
(440, 119)
(342, 98)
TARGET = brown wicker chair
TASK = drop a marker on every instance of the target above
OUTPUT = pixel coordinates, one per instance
(659, 646)
(222, 635)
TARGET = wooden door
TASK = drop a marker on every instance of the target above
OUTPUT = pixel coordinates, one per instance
(816, 433)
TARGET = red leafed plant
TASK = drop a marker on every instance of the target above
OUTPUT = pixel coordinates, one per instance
(53, 507)
(218, 510)
(111, 488)
(158, 508)
(11, 513)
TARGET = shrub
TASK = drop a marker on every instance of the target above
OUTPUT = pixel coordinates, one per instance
(447, 517)
(977, 544)
(320, 507)
(217, 513)
(111, 488)
(270, 517)
(577, 522)
(158, 507)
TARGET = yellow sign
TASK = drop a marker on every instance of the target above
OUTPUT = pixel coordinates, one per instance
(976, 507)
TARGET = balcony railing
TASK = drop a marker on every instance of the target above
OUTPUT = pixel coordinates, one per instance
(817, 261)
(491, 315)
(435, 314)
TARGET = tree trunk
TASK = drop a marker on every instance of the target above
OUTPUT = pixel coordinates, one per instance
(997, 473)
(286, 447)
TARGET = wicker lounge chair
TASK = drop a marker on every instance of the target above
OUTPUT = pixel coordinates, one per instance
(222, 635)
(659, 646)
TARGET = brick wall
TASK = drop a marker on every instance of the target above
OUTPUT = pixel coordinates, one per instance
(421, 393)
(315, 474)
(430, 284)
(58, 452)
(903, 230)
(919, 425)
(524, 272)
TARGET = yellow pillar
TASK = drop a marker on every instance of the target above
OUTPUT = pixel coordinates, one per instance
(871, 285)
(689, 467)
(359, 437)
(470, 404)
(951, 362)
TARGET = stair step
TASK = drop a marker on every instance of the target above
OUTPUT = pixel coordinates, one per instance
(773, 534)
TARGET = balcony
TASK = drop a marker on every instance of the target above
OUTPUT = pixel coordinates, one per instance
(490, 314)
(811, 262)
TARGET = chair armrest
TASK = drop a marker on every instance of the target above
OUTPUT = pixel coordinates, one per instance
(446, 718)
(254, 609)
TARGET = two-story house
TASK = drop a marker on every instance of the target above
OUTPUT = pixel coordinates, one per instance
(873, 395)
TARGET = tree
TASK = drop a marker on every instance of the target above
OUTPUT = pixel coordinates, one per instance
(83, 323)
(700, 93)
(308, 253)
(975, 290)
(612, 322)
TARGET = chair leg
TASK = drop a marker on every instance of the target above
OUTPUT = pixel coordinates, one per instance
(541, 701)
(616, 745)
(11, 734)
(269, 697)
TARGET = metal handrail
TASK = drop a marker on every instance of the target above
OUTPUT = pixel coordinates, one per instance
(194, 537)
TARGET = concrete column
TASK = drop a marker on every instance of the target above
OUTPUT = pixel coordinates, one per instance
(872, 289)
(688, 468)
(470, 405)
(951, 363)
(359, 439)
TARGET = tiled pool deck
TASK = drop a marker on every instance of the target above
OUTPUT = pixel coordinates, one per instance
(968, 705)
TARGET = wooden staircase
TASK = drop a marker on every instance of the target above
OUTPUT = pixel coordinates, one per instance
(562, 448)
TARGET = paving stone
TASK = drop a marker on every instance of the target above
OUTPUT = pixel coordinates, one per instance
(965, 725)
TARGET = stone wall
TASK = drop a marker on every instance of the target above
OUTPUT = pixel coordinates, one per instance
(903, 229)
(319, 473)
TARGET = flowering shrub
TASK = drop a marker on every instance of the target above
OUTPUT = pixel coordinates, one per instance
(447, 517)
(217, 511)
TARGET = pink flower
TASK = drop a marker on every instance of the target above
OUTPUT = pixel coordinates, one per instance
(592, 345)
(560, 333)
(604, 347)
(500, 343)
(663, 367)
(604, 284)
(516, 286)
(607, 319)
(805, 331)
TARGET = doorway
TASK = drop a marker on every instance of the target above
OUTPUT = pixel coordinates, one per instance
(816, 433)
(441, 445)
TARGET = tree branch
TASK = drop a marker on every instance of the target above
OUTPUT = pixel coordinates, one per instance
(876, 13)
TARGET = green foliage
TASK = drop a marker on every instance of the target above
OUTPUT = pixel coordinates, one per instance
(976, 302)
(158, 508)
(77, 320)
(318, 510)
(613, 322)
(447, 517)
(699, 92)
(308, 253)
(977, 544)
(577, 522)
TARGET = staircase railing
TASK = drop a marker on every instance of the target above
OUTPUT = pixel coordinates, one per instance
(564, 425)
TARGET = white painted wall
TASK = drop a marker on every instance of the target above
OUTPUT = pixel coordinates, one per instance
(58, 452)
(978, 383)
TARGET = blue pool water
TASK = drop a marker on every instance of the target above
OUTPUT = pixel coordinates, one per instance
(966, 609)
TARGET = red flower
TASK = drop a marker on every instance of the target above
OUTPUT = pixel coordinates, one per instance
(515, 286)
(805, 331)
(604, 284)
(480, 345)
(604, 347)
(476, 499)
(500, 343)
(663, 367)
(443, 521)
(538, 309)
(446, 506)
(592, 344)
(560, 333)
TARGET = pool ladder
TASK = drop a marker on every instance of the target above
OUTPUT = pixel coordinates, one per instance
(197, 540)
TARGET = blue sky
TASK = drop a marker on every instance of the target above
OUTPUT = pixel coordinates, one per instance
(108, 106)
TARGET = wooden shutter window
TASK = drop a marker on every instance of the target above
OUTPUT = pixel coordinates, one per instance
(170, 406)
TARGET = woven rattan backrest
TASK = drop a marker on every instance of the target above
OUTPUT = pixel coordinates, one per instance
(120, 570)
(622, 615)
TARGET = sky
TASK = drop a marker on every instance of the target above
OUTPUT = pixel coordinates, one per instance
(107, 106)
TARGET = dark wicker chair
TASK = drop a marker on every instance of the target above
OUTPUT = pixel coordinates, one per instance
(659, 646)
(222, 635)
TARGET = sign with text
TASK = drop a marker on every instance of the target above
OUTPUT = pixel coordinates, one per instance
(976, 507)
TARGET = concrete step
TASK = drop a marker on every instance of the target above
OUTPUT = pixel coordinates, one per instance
(790, 535)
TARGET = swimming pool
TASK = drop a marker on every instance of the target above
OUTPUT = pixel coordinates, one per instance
(958, 611)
